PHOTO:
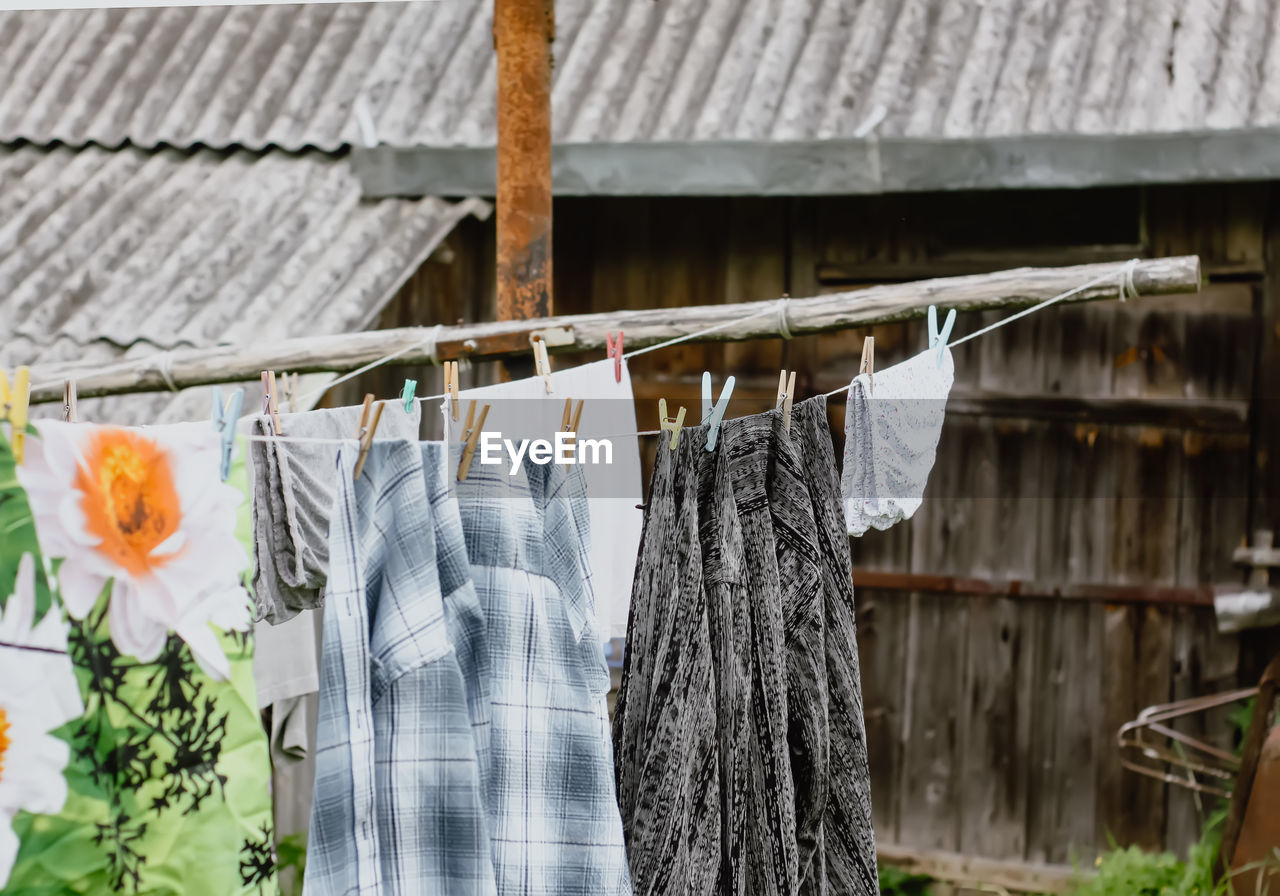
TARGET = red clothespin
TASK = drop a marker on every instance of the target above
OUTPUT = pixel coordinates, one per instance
(615, 352)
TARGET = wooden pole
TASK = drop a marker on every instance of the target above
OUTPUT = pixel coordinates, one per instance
(522, 34)
(586, 332)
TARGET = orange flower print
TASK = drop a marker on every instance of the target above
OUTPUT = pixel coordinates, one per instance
(38, 693)
(145, 511)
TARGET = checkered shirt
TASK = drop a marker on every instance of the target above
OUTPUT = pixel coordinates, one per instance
(554, 820)
(398, 802)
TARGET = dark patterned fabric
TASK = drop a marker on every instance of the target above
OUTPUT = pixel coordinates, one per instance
(738, 730)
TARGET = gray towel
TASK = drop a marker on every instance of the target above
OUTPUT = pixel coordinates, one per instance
(293, 490)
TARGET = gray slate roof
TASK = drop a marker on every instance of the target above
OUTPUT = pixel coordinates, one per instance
(111, 254)
(643, 70)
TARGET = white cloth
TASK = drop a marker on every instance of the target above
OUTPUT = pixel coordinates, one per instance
(893, 421)
(285, 663)
(523, 409)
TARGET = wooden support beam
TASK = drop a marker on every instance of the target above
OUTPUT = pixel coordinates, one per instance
(1201, 596)
(1018, 877)
(504, 339)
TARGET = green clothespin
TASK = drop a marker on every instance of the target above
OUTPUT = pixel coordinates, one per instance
(410, 386)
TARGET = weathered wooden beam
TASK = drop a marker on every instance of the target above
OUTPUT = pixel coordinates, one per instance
(502, 339)
(1018, 877)
(1163, 595)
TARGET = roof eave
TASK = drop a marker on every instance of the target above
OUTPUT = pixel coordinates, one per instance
(839, 167)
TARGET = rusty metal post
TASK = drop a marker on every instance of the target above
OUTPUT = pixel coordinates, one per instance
(522, 34)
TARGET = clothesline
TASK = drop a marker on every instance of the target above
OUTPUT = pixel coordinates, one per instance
(775, 318)
(1123, 279)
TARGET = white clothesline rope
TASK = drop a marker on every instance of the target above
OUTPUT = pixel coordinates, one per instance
(1125, 287)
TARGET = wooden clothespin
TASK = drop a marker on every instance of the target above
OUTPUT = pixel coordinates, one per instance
(786, 391)
(69, 412)
(270, 405)
(572, 416)
(666, 423)
(615, 352)
(868, 361)
(471, 437)
(289, 391)
(14, 402)
(541, 362)
(938, 339)
(410, 386)
(368, 426)
(451, 385)
(224, 423)
(714, 413)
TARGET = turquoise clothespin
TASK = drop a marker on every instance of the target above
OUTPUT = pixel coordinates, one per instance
(714, 413)
(224, 423)
(937, 339)
(410, 386)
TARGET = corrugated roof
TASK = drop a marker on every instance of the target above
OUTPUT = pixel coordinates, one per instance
(642, 70)
(108, 254)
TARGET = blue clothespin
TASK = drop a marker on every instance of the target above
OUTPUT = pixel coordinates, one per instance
(714, 413)
(937, 339)
(407, 394)
(224, 423)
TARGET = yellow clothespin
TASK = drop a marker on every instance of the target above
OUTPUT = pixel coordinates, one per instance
(786, 392)
(666, 423)
(365, 433)
(451, 385)
(69, 412)
(13, 407)
(270, 406)
(540, 360)
(569, 421)
(868, 361)
(471, 436)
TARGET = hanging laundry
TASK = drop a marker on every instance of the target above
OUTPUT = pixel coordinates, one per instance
(463, 735)
(523, 408)
(741, 635)
(666, 742)
(153, 772)
(293, 491)
(893, 421)
(399, 803)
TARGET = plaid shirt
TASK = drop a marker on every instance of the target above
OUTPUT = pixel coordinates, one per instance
(398, 802)
(464, 740)
(555, 825)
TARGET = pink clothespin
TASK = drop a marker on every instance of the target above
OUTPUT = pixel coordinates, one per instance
(615, 352)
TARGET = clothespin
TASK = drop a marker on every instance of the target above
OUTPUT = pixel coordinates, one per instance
(869, 360)
(15, 402)
(451, 385)
(938, 339)
(666, 423)
(714, 413)
(786, 391)
(289, 391)
(270, 406)
(569, 421)
(368, 426)
(471, 436)
(541, 362)
(410, 386)
(69, 413)
(615, 352)
(224, 423)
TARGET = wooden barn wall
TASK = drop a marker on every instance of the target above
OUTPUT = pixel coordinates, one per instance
(1102, 444)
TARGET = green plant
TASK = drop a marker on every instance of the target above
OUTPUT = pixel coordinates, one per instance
(896, 882)
(292, 853)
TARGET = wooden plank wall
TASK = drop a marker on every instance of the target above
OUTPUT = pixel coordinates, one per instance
(991, 720)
